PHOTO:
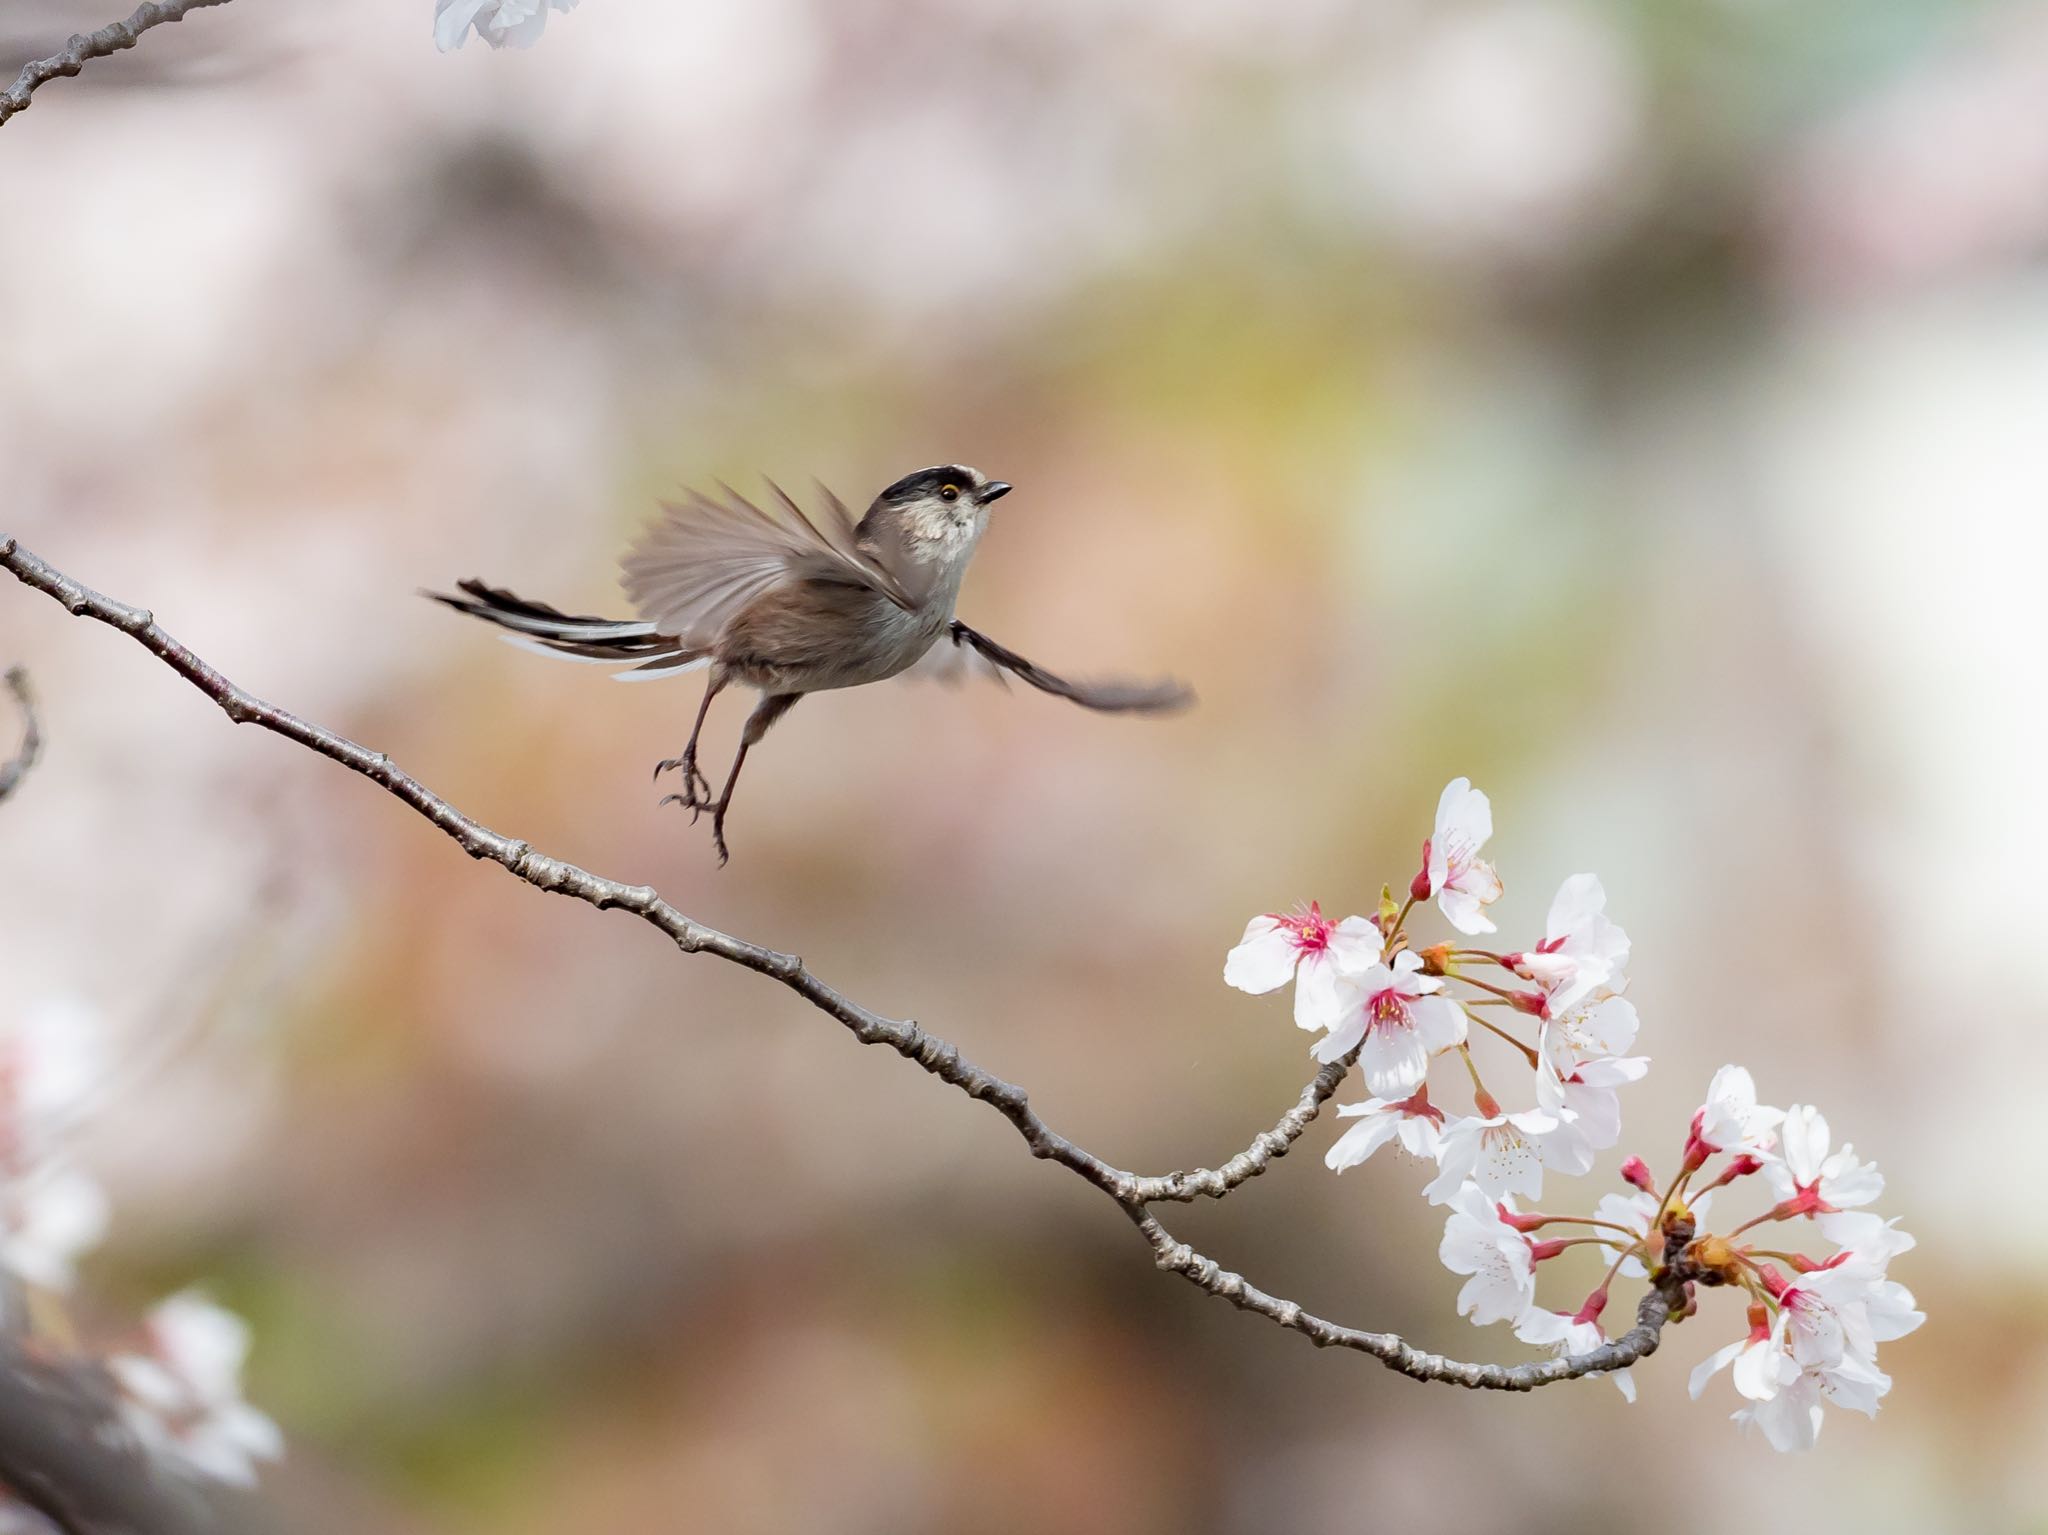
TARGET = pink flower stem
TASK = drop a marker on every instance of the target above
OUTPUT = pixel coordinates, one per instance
(1494, 1028)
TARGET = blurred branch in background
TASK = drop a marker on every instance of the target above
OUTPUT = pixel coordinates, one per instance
(16, 767)
(111, 38)
(64, 1453)
(1131, 1192)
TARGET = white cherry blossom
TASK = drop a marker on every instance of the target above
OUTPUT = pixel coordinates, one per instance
(1791, 1418)
(1393, 1008)
(1582, 950)
(501, 23)
(1593, 1029)
(1803, 1173)
(1308, 949)
(1761, 1367)
(1580, 1067)
(1865, 1235)
(1567, 1336)
(1462, 882)
(1872, 1241)
(1477, 1242)
(1823, 1317)
(1503, 1153)
(1731, 1119)
(1826, 1352)
(1380, 1121)
(1635, 1212)
(183, 1398)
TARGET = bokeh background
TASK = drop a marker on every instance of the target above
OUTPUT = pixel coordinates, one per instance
(1640, 408)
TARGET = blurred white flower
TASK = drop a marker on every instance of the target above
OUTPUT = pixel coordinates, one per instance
(501, 23)
(1308, 949)
(1500, 132)
(183, 1399)
(1582, 950)
(1463, 883)
(47, 1222)
(1803, 1172)
(52, 1057)
(1498, 1258)
(1380, 1121)
(1394, 1010)
(1933, 175)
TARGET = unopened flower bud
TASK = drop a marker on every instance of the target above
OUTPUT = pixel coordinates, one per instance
(1418, 887)
(1636, 1171)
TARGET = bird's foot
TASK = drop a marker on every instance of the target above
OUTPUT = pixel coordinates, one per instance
(695, 806)
(696, 787)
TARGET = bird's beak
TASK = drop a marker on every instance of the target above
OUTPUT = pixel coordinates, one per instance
(995, 490)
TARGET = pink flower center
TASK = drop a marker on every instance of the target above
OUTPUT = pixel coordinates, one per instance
(1387, 1009)
(1458, 858)
(1309, 929)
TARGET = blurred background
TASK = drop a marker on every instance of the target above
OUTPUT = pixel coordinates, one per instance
(1641, 409)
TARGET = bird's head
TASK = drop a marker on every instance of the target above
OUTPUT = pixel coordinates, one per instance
(941, 512)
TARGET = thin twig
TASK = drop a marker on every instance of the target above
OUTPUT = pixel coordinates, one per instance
(16, 767)
(1131, 1192)
(1268, 1147)
(112, 38)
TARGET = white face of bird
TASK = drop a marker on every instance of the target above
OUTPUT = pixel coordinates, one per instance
(942, 511)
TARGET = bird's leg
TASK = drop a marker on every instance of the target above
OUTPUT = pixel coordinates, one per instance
(766, 713)
(696, 793)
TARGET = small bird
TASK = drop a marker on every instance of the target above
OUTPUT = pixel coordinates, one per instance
(789, 605)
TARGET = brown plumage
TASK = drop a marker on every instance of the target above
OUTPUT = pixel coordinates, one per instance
(789, 603)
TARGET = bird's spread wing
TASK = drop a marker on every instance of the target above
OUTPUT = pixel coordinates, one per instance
(972, 651)
(710, 556)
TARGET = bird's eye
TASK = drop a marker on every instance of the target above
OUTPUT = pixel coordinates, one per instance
(950, 493)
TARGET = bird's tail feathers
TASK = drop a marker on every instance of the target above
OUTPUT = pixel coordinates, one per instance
(575, 636)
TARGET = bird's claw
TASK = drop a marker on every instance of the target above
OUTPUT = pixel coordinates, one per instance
(696, 787)
(695, 806)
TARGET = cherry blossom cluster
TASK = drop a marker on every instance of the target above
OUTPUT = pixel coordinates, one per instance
(177, 1384)
(1396, 1010)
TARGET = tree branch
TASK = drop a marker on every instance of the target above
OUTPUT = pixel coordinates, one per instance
(111, 38)
(1131, 1192)
(16, 767)
(64, 1454)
